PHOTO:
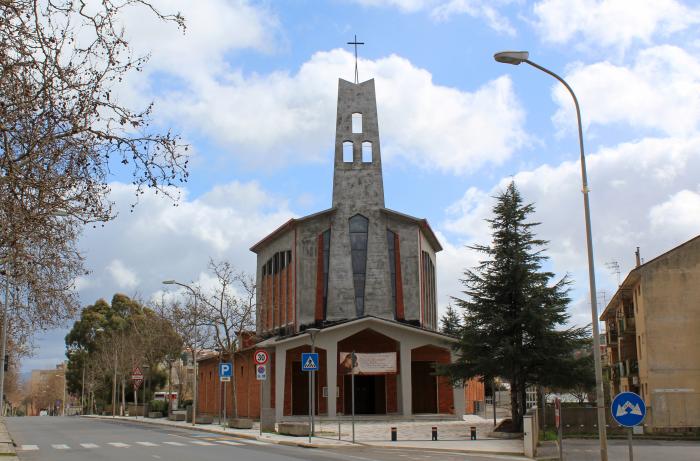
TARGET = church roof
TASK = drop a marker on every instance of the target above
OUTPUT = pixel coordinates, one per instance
(287, 226)
(422, 222)
(371, 319)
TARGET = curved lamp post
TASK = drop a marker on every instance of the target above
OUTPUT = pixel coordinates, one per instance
(194, 351)
(515, 58)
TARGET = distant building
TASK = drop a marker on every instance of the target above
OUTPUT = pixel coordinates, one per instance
(46, 389)
(365, 276)
(653, 336)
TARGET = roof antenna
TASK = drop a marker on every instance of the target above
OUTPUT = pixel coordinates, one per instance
(614, 267)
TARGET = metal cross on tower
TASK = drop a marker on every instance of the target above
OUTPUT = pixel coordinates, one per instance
(355, 42)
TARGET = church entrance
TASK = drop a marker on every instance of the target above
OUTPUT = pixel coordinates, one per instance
(424, 386)
(300, 390)
(370, 394)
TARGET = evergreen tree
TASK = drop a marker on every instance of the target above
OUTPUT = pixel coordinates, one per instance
(514, 318)
(451, 325)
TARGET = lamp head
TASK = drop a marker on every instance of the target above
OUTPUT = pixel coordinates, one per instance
(511, 57)
(168, 282)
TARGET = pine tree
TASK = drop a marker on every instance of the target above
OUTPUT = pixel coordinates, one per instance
(451, 324)
(514, 318)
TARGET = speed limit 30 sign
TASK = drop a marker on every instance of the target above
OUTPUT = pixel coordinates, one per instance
(261, 357)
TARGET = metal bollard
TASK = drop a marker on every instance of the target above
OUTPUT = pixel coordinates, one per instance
(393, 434)
(472, 432)
(434, 432)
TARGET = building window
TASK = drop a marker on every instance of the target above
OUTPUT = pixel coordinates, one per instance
(275, 294)
(357, 123)
(367, 152)
(428, 285)
(359, 226)
(347, 152)
(390, 243)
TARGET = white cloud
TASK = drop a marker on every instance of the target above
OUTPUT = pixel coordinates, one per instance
(159, 241)
(122, 276)
(441, 10)
(658, 91)
(611, 23)
(644, 193)
(280, 118)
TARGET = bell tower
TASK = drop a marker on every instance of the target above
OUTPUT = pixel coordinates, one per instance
(357, 172)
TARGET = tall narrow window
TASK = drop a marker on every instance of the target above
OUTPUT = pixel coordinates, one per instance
(428, 285)
(367, 152)
(357, 123)
(358, 247)
(347, 152)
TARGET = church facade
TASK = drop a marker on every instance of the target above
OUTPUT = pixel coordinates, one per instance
(356, 277)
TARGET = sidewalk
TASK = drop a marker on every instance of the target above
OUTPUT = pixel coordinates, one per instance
(452, 434)
(7, 448)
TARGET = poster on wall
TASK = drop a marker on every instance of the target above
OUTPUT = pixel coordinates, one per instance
(379, 363)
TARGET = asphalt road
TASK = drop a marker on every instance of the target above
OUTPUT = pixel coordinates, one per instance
(81, 439)
(643, 450)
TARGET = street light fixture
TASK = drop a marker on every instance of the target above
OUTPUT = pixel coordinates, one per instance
(312, 390)
(515, 58)
(194, 346)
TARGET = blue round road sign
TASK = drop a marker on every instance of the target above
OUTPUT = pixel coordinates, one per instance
(628, 409)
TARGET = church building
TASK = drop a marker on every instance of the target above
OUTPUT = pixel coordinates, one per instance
(356, 277)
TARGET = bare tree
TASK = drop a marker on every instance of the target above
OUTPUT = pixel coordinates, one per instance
(229, 310)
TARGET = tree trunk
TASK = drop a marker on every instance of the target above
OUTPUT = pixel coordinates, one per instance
(170, 387)
(123, 409)
(523, 405)
(234, 402)
(515, 415)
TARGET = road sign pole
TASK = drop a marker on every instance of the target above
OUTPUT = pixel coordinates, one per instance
(629, 443)
(310, 418)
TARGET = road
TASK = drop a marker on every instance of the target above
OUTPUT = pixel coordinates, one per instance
(644, 450)
(80, 439)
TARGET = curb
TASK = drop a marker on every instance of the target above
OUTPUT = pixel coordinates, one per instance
(7, 444)
(452, 450)
(289, 443)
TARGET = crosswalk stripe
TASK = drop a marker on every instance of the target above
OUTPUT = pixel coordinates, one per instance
(119, 444)
(255, 442)
(29, 447)
(89, 445)
(175, 444)
(202, 443)
(60, 446)
(228, 442)
(148, 444)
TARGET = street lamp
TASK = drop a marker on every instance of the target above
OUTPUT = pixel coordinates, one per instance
(515, 58)
(312, 391)
(63, 412)
(194, 346)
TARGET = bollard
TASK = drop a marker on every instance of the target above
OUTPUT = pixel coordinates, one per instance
(472, 432)
(434, 432)
(393, 434)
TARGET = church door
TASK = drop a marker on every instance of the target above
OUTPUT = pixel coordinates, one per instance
(300, 390)
(424, 386)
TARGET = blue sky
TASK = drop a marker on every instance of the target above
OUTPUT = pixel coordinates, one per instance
(251, 86)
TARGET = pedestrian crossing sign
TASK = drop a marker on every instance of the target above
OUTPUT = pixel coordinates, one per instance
(309, 361)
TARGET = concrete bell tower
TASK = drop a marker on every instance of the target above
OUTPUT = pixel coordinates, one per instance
(357, 172)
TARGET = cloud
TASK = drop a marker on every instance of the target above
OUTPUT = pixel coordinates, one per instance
(283, 118)
(611, 23)
(644, 193)
(442, 10)
(159, 241)
(658, 91)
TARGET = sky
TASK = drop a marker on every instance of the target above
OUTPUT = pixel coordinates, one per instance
(251, 86)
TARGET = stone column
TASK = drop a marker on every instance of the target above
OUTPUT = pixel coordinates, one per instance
(280, 365)
(331, 348)
(406, 389)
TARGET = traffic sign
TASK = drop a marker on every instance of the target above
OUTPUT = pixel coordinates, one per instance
(136, 383)
(261, 372)
(225, 371)
(557, 412)
(628, 409)
(261, 357)
(136, 374)
(309, 361)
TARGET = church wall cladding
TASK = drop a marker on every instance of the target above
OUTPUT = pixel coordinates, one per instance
(428, 284)
(275, 276)
(408, 235)
(307, 244)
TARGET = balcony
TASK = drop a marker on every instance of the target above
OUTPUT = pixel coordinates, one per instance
(626, 325)
(627, 368)
(612, 337)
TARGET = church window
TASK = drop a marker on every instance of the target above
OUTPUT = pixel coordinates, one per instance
(390, 239)
(347, 152)
(367, 152)
(359, 226)
(428, 289)
(357, 123)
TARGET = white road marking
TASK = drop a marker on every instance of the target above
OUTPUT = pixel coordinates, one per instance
(175, 444)
(89, 445)
(228, 442)
(60, 446)
(255, 442)
(29, 447)
(202, 443)
(148, 444)
(119, 444)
